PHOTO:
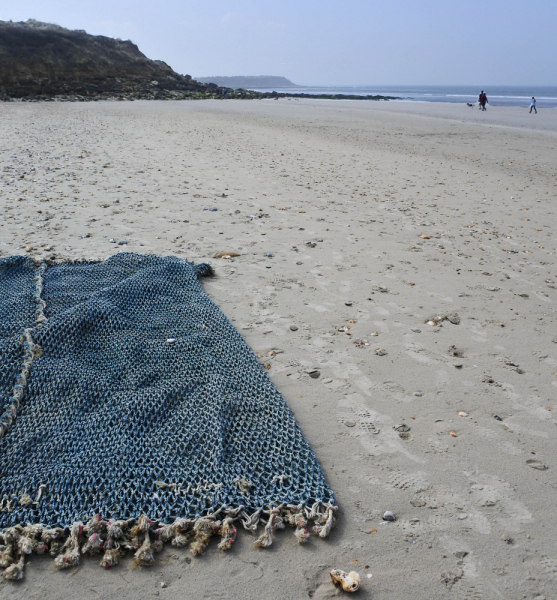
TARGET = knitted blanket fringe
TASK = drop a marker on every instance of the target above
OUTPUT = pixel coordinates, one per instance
(113, 539)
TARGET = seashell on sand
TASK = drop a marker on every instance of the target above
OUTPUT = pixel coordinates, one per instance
(349, 582)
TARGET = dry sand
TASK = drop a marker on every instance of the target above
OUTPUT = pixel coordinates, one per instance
(377, 216)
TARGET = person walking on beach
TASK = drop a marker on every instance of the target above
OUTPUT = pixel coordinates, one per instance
(533, 105)
(482, 100)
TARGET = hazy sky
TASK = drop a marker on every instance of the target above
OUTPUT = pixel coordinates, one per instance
(327, 42)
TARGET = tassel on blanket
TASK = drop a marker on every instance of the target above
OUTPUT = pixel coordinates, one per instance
(324, 528)
(9, 552)
(114, 537)
(70, 550)
(110, 558)
(182, 533)
(28, 543)
(227, 532)
(167, 532)
(144, 555)
(295, 517)
(136, 534)
(302, 532)
(51, 539)
(275, 522)
(203, 530)
(94, 530)
(15, 572)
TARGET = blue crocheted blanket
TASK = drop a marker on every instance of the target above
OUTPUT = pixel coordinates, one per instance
(127, 392)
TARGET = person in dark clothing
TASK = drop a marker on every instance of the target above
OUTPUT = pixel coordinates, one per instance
(482, 100)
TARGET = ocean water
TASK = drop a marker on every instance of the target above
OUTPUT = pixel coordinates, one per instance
(546, 96)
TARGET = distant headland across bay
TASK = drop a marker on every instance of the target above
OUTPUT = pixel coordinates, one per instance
(249, 82)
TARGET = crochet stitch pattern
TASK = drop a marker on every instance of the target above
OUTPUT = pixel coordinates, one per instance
(134, 414)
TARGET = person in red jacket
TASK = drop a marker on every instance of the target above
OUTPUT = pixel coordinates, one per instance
(482, 100)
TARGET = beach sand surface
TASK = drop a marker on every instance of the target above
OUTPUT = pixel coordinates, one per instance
(379, 218)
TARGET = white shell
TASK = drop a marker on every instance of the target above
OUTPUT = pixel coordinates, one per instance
(350, 582)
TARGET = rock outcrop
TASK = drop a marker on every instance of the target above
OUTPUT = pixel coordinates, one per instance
(44, 61)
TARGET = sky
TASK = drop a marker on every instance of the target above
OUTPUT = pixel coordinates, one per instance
(327, 42)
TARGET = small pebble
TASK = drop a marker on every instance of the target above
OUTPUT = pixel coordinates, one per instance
(293, 328)
(388, 516)
(69, 248)
(417, 394)
(164, 584)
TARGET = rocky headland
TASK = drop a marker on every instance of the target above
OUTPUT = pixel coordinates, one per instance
(41, 61)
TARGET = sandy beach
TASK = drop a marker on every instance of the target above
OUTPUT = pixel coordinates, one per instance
(395, 271)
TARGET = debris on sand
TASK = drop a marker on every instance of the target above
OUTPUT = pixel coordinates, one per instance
(349, 582)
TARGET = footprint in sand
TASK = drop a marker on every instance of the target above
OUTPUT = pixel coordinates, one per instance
(550, 565)
(496, 500)
(373, 430)
(416, 481)
(463, 590)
